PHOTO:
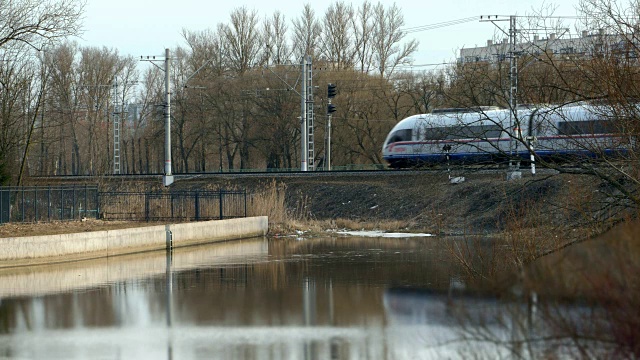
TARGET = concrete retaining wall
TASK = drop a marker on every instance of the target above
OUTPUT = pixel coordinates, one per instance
(68, 247)
(64, 277)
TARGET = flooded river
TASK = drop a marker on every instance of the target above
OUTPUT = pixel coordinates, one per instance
(325, 298)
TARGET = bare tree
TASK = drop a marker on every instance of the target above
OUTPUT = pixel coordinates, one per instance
(306, 34)
(39, 23)
(388, 52)
(64, 104)
(97, 71)
(209, 53)
(337, 43)
(149, 95)
(15, 105)
(26, 25)
(363, 36)
(425, 90)
(243, 39)
(33, 108)
(274, 36)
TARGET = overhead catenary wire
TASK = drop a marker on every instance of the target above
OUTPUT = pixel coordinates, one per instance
(440, 24)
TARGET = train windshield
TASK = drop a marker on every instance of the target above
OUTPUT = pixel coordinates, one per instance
(400, 135)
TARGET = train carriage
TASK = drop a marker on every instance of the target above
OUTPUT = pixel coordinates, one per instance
(490, 135)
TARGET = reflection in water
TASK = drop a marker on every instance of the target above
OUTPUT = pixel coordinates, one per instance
(331, 298)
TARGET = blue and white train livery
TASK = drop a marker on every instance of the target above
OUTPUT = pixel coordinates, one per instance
(491, 135)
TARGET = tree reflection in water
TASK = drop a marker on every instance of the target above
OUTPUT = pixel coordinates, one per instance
(334, 297)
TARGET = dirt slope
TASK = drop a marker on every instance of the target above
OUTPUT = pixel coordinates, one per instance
(483, 203)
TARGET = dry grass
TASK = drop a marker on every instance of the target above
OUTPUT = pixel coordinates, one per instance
(390, 225)
(269, 201)
(321, 226)
(601, 272)
(528, 231)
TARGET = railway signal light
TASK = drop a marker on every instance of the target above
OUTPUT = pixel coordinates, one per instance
(331, 108)
(331, 90)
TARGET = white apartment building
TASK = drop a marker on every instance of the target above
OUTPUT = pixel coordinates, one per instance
(586, 45)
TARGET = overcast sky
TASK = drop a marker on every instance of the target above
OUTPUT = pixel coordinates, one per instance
(142, 27)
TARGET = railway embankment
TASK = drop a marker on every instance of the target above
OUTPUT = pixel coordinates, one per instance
(425, 201)
(485, 203)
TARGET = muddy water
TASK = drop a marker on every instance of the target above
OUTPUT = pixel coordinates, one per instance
(326, 298)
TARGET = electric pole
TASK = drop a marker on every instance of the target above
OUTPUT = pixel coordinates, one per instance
(307, 153)
(116, 129)
(167, 179)
(303, 116)
(514, 124)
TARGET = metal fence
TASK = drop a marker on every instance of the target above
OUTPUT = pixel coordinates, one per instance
(33, 204)
(184, 206)
(51, 203)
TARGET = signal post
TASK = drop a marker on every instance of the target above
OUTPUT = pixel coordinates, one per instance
(331, 93)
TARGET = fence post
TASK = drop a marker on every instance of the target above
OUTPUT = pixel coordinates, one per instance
(73, 203)
(22, 188)
(49, 204)
(97, 203)
(245, 202)
(171, 200)
(220, 198)
(86, 204)
(35, 203)
(197, 206)
(146, 206)
(61, 203)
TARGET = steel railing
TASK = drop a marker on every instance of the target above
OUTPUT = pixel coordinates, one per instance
(47, 203)
(64, 203)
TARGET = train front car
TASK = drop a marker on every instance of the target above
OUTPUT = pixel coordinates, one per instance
(450, 135)
(398, 149)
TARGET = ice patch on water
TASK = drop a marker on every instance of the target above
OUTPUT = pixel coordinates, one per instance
(381, 234)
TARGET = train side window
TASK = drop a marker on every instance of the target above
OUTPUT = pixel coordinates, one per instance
(585, 127)
(462, 132)
(439, 133)
(484, 131)
(400, 135)
(478, 132)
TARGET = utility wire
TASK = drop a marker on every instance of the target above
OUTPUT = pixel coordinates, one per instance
(440, 25)
(489, 17)
(443, 24)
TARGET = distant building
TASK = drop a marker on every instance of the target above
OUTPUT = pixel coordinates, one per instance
(586, 46)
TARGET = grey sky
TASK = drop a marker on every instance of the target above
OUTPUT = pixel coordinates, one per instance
(140, 27)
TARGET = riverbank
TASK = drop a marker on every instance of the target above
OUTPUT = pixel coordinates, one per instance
(43, 249)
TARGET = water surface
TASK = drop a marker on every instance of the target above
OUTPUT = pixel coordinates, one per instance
(326, 298)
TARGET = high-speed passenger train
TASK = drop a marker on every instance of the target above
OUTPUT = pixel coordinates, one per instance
(490, 135)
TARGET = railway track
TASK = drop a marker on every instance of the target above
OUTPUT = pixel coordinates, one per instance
(453, 170)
